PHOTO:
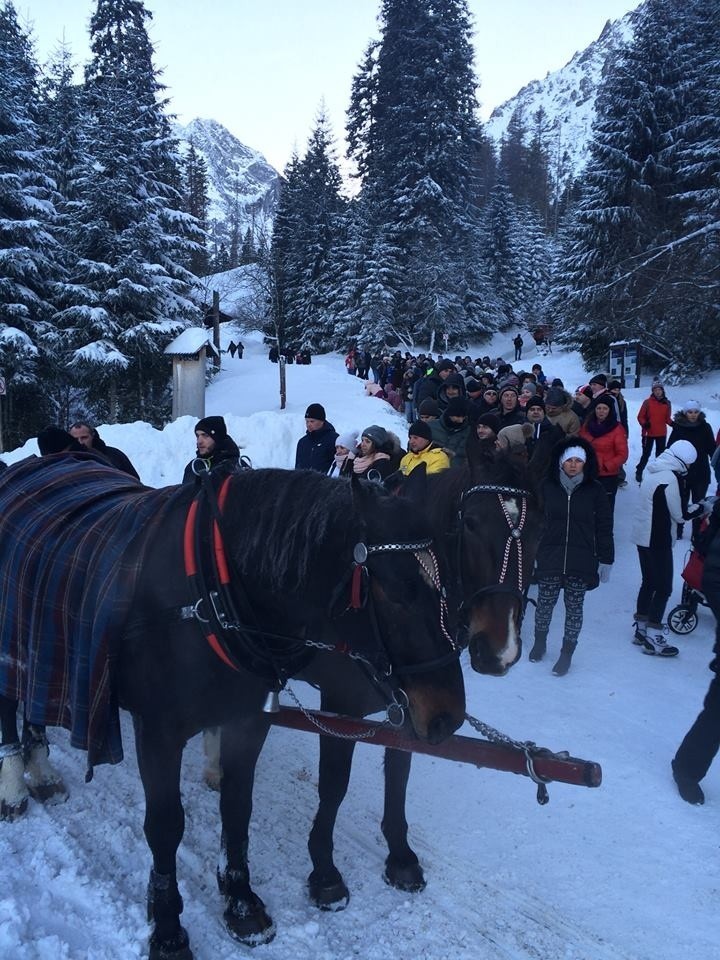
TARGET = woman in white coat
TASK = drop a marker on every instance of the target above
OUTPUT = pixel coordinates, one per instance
(663, 505)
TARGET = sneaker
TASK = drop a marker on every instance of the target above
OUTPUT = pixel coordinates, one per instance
(640, 632)
(655, 644)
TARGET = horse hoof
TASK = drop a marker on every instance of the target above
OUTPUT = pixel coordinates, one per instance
(50, 793)
(249, 922)
(176, 948)
(408, 877)
(13, 811)
(329, 895)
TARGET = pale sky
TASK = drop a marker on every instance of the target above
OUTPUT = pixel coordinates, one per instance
(263, 69)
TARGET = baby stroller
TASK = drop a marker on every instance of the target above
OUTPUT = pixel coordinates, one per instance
(683, 618)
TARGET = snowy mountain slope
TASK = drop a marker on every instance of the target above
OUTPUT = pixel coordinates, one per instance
(624, 872)
(241, 181)
(567, 99)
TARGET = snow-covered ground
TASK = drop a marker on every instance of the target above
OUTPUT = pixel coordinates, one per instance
(624, 872)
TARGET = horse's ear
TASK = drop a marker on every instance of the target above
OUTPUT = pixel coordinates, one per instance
(415, 484)
(360, 491)
(394, 483)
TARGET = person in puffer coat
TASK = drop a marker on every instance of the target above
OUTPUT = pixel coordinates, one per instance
(663, 505)
(576, 549)
(609, 441)
(690, 424)
(702, 741)
(316, 449)
(654, 417)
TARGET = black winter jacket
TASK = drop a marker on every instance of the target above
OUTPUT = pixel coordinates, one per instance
(316, 450)
(701, 436)
(225, 456)
(577, 535)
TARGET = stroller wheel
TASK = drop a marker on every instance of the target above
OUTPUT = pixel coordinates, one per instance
(682, 619)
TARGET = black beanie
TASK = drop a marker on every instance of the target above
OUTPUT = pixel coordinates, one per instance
(429, 408)
(56, 440)
(535, 402)
(213, 426)
(599, 378)
(420, 429)
(457, 407)
(491, 420)
(614, 385)
(316, 411)
(445, 365)
(556, 397)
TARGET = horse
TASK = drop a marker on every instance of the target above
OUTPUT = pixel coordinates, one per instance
(489, 516)
(205, 603)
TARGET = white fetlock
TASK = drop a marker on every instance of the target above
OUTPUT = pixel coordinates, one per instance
(212, 774)
(43, 781)
(13, 789)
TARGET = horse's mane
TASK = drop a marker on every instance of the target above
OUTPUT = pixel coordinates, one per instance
(282, 521)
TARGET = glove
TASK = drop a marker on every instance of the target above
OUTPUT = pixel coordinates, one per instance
(694, 511)
(604, 572)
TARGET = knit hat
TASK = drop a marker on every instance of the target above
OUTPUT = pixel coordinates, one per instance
(445, 365)
(573, 452)
(56, 440)
(213, 426)
(473, 386)
(535, 402)
(377, 434)
(457, 407)
(455, 380)
(491, 420)
(508, 387)
(316, 411)
(691, 405)
(684, 451)
(349, 440)
(429, 408)
(555, 397)
(420, 429)
(614, 385)
(657, 382)
(599, 378)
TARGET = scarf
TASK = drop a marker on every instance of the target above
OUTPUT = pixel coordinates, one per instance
(361, 464)
(570, 484)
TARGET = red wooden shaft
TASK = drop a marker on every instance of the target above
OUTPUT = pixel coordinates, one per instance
(480, 753)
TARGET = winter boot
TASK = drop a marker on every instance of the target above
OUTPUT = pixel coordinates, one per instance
(640, 631)
(689, 789)
(563, 662)
(539, 648)
(655, 643)
(638, 475)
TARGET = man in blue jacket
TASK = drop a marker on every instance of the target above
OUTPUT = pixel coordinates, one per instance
(316, 450)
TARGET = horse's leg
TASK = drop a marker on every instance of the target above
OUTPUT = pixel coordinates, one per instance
(212, 774)
(13, 789)
(326, 886)
(402, 868)
(159, 757)
(240, 746)
(44, 782)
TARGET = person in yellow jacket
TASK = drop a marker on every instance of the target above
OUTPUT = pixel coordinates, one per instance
(421, 449)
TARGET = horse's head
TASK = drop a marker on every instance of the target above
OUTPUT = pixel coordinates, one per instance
(499, 530)
(408, 606)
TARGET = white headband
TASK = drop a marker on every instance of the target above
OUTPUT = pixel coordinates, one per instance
(576, 452)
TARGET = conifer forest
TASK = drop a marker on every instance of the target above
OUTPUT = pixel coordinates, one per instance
(444, 236)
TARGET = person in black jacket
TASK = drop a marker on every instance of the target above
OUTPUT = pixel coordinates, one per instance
(215, 447)
(88, 436)
(316, 450)
(576, 550)
(702, 741)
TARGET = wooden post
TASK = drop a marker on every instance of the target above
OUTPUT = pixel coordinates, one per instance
(216, 328)
(281, 365)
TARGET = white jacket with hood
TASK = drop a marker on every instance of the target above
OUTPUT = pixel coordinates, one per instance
(664, 471)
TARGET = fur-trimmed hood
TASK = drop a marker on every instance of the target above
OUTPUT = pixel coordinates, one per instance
(590, 471)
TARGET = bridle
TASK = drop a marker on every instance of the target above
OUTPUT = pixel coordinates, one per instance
(514, 539)
(225, 614)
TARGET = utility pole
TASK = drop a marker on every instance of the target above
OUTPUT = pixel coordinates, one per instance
(216, 328)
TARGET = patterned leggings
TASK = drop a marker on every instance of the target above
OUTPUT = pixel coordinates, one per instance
(574, 596)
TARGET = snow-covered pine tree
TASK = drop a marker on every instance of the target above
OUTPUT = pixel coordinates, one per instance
(283, 262)
(28, 251)
(197, 204)
(621, 278)
(414, 135)
(133, 235)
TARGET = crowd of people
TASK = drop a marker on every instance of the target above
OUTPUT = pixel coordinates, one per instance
(457, 410)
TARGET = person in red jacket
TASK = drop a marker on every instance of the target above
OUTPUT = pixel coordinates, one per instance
(609, 441)
(654, 416)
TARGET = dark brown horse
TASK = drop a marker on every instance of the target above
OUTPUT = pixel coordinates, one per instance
(228, 593)
(488, 518)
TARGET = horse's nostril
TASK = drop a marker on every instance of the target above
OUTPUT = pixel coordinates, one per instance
(441, 727)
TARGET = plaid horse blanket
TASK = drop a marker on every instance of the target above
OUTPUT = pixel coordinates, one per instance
(72, 537)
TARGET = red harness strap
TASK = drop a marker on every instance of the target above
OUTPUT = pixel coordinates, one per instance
(191, 563)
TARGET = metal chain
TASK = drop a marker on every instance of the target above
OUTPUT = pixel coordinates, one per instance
(368, 735)
(399, 547)
(528, 747)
